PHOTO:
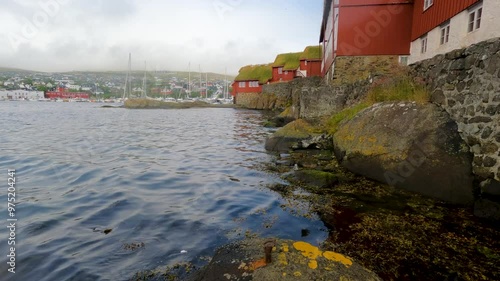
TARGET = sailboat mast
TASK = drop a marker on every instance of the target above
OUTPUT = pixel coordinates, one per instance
(144, 93)
(225, 84)
(199, 69)
(189, 81)
(127, 77)
(206, 84)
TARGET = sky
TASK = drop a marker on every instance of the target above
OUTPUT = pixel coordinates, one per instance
(98, 35)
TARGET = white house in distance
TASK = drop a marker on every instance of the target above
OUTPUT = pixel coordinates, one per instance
(21, 95)
(441, 26)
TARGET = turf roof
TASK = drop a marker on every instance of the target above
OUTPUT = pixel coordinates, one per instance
(261, 72)
(312, 53)
(289, 61)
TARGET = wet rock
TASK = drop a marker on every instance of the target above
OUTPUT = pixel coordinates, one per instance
(323, 142)
(485, 208)
(416, 147)
(289, 135)
(316, 178)
(491, 188)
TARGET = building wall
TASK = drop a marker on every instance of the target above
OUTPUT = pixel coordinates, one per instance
(313, 67)
(329, 32)
(21, 95)
(459, 36)
(440, 11)
(375, 27)
(247, 89)
(282, 77)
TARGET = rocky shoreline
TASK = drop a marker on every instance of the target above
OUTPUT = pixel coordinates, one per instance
(390, 233)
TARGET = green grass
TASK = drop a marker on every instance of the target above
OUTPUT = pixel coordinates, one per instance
(399, 88)
(289, 61)
(260, 72)
(312, 53)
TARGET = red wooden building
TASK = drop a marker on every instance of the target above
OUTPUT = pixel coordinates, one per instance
(310, 62)
(365, 28)
(251, 78)
(62, 93)
(285, 67)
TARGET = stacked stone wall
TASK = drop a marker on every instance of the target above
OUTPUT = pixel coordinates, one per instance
(466, 83)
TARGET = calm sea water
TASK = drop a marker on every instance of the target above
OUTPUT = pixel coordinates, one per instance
(171, 179)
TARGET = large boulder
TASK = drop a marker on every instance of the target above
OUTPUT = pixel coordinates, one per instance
(410, 146)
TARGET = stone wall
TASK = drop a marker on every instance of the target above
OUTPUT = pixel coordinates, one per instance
(466, 83)
(307, 98)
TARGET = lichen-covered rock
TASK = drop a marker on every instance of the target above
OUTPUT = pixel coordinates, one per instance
(411, 146)
(289, 135)
(291, 260)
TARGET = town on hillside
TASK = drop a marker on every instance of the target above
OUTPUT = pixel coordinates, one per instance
(20, 85)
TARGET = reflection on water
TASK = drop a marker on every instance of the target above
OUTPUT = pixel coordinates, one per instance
(171, 179)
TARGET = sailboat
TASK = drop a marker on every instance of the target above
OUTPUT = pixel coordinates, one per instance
(128, 80)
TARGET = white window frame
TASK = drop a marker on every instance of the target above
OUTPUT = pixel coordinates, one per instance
(445, 34)
(242, 84)
(428, 4)
(423, 44)
(280, 70)
(475, 17)
(305, 62)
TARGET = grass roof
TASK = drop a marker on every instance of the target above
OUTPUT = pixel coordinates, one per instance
(289, 61)
(260, 72)
(312, 53)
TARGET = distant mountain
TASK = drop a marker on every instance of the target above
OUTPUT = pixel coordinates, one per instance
(10, 69)
(178, 74)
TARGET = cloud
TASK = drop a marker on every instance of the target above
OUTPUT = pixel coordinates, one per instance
(98, 35)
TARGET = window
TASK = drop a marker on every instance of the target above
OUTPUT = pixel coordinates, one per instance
(475, 18)
(428, 4)
(253, 84)
(280, 70)
(286, 72)
(305, 62)
(242, 84)
(445, 33)
(423, 41)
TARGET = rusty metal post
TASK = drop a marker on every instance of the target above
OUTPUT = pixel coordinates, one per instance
(268, 249)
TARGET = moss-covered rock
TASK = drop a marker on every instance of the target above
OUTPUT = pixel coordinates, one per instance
(285, 137)
(408, 145)
(316, 178)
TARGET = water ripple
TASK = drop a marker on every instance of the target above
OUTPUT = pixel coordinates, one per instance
(171, 179)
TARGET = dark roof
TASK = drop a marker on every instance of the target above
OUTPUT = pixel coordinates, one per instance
(327, 6)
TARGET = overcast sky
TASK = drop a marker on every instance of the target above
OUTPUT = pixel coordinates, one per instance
(66, 35)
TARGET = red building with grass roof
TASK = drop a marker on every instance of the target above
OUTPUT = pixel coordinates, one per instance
(310, 62)
(285, 67)
(251, 78)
